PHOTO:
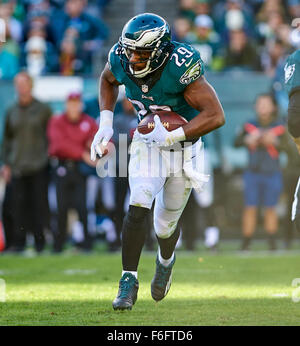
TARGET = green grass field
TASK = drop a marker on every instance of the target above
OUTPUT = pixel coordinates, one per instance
(207, 290)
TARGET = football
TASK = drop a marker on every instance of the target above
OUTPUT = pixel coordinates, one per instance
(170, 121)
(108, 149)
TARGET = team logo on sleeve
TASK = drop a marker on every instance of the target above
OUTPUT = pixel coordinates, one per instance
(191, 74)
(288, 72)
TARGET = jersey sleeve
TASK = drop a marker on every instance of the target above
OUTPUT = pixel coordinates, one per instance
(114, 64)
(292, 73)
(186, 65)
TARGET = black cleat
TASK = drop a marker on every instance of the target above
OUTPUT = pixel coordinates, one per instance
(127, 294)
(161, 282)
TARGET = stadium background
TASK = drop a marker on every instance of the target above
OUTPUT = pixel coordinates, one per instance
(236, 88)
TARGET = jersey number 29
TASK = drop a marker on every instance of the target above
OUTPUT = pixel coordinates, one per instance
(153, 108)
(187, 53)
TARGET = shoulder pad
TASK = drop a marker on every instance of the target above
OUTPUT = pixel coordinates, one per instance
(112, 55)
(114, 63)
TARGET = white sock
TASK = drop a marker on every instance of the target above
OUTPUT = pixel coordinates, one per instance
(128, 271)
(165, 262)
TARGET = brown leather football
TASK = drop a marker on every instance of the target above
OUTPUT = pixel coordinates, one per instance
(170, 120)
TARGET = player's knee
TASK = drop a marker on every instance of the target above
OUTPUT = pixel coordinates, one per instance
(164, 232)
(176, 202)
(165, 226)
(142, 196)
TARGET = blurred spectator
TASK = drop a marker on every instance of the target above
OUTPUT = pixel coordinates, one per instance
(97, 7)
(233, 15)
(36, 52)
(101, 209)
(38, 17)
(269, 29)
(9, 59)
(187, 9)
(202, 7)
(102, 4)
(13, 26)
(264, 138)
(268, 8)
(101, 201)
(69, 62)
(19, 10)
(39, 56)
(181, 28)
(69, 136)
(207, 42)
(271, 56)
(241, 52)
(286, 34)
(255, 5)
(30, 4)
(190, 9)
(57, 3)
(87, 34)
(25, 160)
(9, 50)
(101, 193)
(293, 7)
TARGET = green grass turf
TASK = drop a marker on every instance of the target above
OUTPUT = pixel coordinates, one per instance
(220, 290)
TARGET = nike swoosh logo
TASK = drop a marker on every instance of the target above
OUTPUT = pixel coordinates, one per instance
(188, 64)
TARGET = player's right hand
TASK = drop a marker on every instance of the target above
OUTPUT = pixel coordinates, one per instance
(102, 137)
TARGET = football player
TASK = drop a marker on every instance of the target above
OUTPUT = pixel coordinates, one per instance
(292, 85)
(158, 74)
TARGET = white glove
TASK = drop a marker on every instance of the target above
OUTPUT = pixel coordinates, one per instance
(162, 137)
(103, 135)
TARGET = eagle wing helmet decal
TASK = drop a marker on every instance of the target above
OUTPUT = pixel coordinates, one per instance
(147, 38)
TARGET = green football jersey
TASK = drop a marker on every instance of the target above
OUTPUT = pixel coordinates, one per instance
(182, 68)
(292, 72)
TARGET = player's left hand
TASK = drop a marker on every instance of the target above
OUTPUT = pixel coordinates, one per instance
(162, 137)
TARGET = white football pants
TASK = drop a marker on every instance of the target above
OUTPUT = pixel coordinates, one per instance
(158, 174)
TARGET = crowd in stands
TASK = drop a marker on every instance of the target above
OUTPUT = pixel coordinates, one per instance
(249, 34)
(51, 36)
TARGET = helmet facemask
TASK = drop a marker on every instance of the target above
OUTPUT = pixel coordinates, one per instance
(152, 63)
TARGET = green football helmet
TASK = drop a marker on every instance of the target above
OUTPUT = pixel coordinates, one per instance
(145, 32)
